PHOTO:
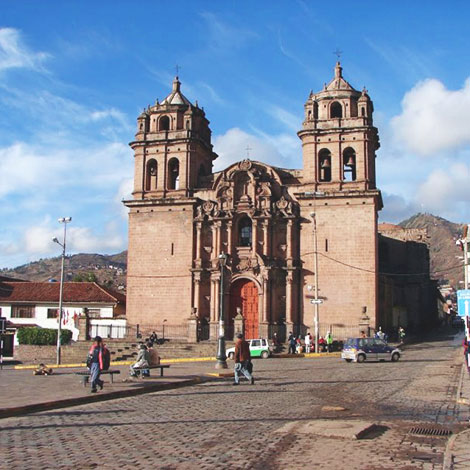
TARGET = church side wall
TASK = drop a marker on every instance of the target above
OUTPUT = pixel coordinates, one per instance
(346, 232)
(159, 261)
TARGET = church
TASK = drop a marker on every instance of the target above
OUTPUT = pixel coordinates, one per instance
(291, 236)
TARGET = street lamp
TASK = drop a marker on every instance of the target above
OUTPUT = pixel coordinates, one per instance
(221, 356)
(317, 301)
(65, 221)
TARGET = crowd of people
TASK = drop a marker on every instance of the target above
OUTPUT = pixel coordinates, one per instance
(306, 344)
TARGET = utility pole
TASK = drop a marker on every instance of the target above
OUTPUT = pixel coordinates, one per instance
(316, 302)
(65, 221)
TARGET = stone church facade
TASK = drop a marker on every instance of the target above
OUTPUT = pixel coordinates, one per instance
(183, 216)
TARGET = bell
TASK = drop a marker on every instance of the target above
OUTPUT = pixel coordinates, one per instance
(350, 161)
(325, 163)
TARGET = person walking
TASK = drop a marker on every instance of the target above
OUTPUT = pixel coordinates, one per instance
(292, 343)
(401, 334)
(96, 354)
(242, 360)
(329, 341)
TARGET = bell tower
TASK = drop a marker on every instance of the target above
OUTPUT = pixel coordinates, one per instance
(172, 148)
(339, 139)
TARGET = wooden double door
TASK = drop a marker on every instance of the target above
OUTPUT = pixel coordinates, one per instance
(244, 295)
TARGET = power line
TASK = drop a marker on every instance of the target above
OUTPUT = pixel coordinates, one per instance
(358, 268)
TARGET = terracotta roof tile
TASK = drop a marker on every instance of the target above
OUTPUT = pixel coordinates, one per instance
(80, 292)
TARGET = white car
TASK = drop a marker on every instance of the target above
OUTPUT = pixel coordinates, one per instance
(258, 348)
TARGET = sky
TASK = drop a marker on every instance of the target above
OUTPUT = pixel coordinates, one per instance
(75, 75)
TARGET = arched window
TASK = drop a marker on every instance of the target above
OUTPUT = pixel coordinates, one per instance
(245, 231)
(151, 175)
(315, 110)
(349, 164)
(336, 110)
(324, 165)
(173, 173)
(164, 123)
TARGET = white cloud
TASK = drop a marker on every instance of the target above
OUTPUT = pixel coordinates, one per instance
(124, 193)
(15, 54)
(275, 150)
(443, 190)
(396, 208)
(37, 240)
(433, 118)
(26, 169)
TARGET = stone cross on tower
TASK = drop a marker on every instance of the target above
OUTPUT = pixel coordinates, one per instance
(248, 148)
(337, 53)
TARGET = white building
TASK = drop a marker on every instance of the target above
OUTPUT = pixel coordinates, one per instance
(37, 304)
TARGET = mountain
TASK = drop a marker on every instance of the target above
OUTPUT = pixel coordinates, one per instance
(109, 270)
(444, 253)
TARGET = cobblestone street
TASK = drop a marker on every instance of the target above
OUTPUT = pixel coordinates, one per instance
(217, 426)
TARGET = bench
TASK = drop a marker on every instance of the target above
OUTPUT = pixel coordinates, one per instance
(86, 375)
(161, 367)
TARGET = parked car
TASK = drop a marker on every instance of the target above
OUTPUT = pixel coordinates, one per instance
(258, 348)
(369, 349)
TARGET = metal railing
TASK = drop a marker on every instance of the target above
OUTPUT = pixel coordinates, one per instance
(109, 331)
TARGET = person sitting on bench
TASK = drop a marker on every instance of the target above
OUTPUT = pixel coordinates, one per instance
(142, 361)
(43, 370)
(154, 359)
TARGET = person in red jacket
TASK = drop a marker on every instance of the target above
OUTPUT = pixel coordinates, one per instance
(96, 363)
(242, 360)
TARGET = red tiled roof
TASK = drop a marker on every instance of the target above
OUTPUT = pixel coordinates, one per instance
(79, 292)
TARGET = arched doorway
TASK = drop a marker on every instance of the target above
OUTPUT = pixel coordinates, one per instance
(244, 294)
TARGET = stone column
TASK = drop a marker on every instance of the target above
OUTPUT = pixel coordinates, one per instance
(289, 312)
(229, 237)
(197, 290)
(218, 232)
(192, 327)
(198, 242)
(289, 240)
(264, 324)
(83, 327)
(254, 247)
(214, 324)
(266, 227)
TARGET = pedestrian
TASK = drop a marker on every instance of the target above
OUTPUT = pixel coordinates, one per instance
(329, 341)
(292, 343)
(466, 353)
(242, 360)
(307, 342)
(153, 338)
(275, 342)
(401, 334)
(298, 346)
(321, 344)
(96, 363)
(142, 361)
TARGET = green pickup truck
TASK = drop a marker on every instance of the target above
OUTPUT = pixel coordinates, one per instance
(258, 348)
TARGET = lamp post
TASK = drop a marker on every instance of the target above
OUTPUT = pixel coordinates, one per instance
(65, 221)
(317, 302)
(221, 356)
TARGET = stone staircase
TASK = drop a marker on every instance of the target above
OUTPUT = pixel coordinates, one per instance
(126, 350)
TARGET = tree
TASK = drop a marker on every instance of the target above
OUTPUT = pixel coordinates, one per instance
(85, 277)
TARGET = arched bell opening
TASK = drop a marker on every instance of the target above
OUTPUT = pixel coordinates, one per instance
(324, 165)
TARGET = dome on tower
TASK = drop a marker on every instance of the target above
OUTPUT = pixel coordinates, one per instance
(338, 82)
(176, 97)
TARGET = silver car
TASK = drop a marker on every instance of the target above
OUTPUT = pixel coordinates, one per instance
(369, 349)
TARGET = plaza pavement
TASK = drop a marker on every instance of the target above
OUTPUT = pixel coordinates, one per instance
(213, 425)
